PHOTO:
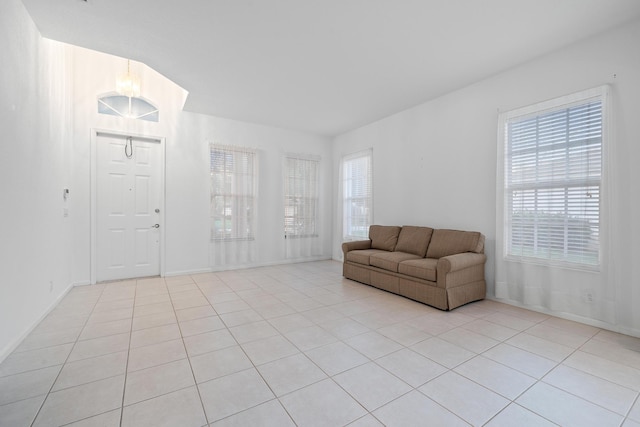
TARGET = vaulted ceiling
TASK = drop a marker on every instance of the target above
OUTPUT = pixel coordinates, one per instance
(324, 66)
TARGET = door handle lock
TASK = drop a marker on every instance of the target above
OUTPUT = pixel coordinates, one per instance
(156, 226)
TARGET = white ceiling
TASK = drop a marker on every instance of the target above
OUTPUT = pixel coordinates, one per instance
(324, 66)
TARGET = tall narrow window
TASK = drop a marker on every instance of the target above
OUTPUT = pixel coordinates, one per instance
(233, 192)
(552, 182)
(357, 194)
(300, 195)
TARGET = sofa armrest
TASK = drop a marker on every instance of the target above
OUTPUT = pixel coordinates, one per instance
(459, 269)
(354, 246)
(460, 261)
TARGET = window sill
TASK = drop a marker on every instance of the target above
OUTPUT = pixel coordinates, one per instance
(233, 239)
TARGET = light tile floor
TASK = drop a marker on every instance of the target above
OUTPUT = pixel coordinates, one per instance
(299, 345)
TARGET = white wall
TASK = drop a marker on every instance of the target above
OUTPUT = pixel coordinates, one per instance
(187, 136)
(190, 194)
(49, 107)
(435, 164)
(36, 123)
(95, 74)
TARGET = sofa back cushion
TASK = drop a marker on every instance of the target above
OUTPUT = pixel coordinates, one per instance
(414, 240)
(451, 242)
(384, 237)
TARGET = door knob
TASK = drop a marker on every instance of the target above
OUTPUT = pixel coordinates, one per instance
(156, 226)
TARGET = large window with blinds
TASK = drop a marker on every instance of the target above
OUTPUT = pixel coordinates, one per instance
(553, 166)
(233, 192)
(357, 194)
(300, 195)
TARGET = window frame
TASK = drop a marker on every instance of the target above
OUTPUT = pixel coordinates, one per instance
(579, 260)
(307, 190)
(240, 189)
(365, 200)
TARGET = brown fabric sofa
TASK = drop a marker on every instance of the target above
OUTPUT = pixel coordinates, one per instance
(442, 268)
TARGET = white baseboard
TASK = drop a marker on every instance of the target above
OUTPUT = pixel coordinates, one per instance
(186, 272)
(269, 264)
(246, 265)
(82, 283)
(9, 348)
(573, 317)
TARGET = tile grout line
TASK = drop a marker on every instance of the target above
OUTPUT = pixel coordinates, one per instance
(452, 369)
(255, 367)
(374, 305)
(126, 366)
(67, 358)
(635, 402)
(275, 396)
(517, 404)
(328, 376)
(557, 364)
(561, 363)
(184, 346)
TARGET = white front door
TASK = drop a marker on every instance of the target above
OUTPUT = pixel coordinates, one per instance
(128, 196)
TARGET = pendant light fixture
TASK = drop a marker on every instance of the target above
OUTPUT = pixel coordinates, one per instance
(128, 84)
(126, 101)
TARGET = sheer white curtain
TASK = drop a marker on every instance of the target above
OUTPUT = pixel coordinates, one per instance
(234, 195)
(301, 204)
(554, 191)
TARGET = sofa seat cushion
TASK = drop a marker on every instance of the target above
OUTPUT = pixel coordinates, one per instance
(361, 256)
(390, 260)
(384, 237)
(414, 240)
(423, 268)
(450, 242)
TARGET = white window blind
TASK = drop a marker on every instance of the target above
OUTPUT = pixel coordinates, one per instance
(300, 195)
(233, 192)
(552, 182)
(357, 194)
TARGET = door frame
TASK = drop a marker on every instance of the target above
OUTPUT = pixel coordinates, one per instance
(95, 133)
